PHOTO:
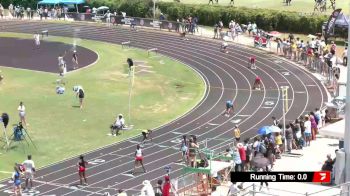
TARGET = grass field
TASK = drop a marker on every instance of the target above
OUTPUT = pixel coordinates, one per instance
(61, 130)
(303, 6)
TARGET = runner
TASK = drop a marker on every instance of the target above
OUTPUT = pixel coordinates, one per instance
(75, 60)
(16, 178)
(193, 147)
(147, 134)
(252, 62)
(224, 47)
(138, 159)
(82, 168)
(184, 149)
(81, 94)
(257, 83)
(229, 107)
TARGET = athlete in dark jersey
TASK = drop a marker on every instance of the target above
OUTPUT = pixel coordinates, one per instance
(82, 168)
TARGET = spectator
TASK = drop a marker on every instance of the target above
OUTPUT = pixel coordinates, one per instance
(243, 156)
(344, 56)
(1, 11)
(29, 171)
(302, 129)
(274, 121)
(192, 152)
(214, 192)
(147, 189)
(289, 138)
(166, 187)
(22, 113)
(237, 160)
(184, 149)
(314, 129)
(248, 153)
(327, 117)
(278, 144)
(307, 126)
(159, 190)
(328, 164)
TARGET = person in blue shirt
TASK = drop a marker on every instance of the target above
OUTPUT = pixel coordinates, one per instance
(229, 107)
(16, 177)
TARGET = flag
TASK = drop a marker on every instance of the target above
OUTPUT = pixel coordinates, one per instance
(331, 21)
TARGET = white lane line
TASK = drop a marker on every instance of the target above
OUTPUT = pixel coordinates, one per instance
(213, 124)
(244, 115)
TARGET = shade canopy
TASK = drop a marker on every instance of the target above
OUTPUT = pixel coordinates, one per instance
(334, 130)
(62, 2)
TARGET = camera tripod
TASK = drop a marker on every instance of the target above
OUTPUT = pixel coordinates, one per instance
(24, 136)
(4, 139)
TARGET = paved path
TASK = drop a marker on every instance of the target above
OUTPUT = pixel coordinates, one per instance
(226, 77)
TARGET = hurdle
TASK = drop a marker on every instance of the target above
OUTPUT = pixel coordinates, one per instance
(124, 44)
(152, 50)
(45, 32)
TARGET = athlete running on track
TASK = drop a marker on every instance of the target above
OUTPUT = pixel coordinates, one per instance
(229, 107)
(257, 83)
(75, 60)
(147, 134)
(81, 170)
(252, 62)
(138, 159)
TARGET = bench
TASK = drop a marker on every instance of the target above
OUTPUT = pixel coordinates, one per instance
(45, 32)
(152, 50)
(126, 44)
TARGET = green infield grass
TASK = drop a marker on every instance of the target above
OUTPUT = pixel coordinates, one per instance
(164, 90)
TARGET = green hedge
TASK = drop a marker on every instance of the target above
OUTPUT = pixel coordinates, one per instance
(208, 15)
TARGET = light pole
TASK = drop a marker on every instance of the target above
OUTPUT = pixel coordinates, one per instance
(346, 189)
(284, 109)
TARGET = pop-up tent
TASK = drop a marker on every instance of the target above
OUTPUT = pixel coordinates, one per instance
(66, 2)
(337, 20)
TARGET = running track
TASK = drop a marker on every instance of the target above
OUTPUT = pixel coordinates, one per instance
(226, 76)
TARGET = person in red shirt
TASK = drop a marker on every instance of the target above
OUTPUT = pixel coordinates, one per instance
(252, 62)
(242, 154)
(257, 83)
(166, 186)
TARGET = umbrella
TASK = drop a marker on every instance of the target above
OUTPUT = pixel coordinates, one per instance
(103, 8)
(264, 130)
(275, 129)
(259, 161)
(274, 33)
(311, 36)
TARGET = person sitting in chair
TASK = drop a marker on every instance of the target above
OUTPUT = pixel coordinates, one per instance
(118, 125)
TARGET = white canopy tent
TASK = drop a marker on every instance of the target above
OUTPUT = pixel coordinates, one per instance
(335, 130)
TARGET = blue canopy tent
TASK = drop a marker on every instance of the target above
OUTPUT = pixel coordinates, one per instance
(66, 2)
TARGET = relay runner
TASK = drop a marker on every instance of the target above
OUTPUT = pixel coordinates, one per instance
(147, 134)
(81, 170)
(138, 159)
(257, 83)
(252, 62)
(229, 107)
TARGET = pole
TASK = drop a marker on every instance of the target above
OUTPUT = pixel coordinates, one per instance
(347, 123)
(131, 83)
(154, 9)
(284, 98)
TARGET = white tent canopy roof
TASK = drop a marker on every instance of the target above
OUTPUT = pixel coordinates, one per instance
(334, 130)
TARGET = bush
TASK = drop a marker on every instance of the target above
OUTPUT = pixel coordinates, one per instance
(209, 15)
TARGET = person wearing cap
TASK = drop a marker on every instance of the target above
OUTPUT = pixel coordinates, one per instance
(237, 133)
(257, 83)
(75, 60)
(147, 189)
(166, 186)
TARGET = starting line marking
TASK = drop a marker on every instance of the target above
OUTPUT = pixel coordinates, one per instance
(177, 133)
(244, 115)
(266, 107)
